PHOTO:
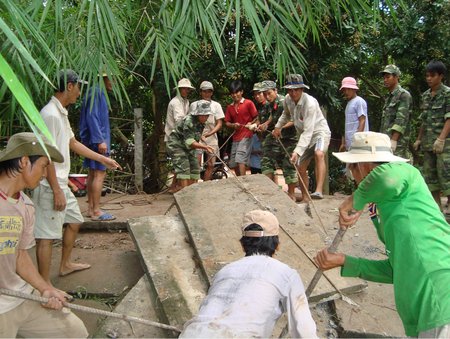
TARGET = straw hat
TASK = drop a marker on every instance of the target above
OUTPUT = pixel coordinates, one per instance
(369, 147)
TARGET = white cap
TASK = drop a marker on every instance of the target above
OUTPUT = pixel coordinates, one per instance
(206, 85)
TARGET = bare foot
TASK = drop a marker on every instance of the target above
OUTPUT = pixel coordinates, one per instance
(73, 267)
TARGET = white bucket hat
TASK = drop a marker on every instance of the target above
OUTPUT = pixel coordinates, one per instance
(185, 83)
(205, 85)
(369, 147)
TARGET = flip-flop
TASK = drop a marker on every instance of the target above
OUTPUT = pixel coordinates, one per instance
(316, 196)
(103, 217)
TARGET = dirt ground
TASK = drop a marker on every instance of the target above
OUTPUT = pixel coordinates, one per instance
(116, 267)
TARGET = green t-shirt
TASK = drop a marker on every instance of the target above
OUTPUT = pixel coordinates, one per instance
(417, 240)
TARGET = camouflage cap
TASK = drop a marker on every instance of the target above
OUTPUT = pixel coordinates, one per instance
(294, 81)
(202, 107)
(27, 144)
(391, 69)
(268, 84)
(258, 87)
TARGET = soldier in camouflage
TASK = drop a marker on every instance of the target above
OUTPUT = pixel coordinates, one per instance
(183, 141)
(434, 132)
(396, 112)
(273, 153)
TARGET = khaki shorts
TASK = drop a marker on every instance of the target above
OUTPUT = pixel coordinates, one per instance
(31, 320)
(319, 143)
(49, 222)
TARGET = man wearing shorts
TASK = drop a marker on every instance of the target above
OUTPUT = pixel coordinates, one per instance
(212, 126)
(185, 139)
(314, 132)
(54, 202)
(240, 116)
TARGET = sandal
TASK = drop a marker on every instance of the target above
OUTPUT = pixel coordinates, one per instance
(316, 196)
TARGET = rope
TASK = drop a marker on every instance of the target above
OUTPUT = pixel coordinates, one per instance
(86, 309)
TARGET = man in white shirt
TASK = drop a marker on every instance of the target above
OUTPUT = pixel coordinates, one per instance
(315, 135)
(212, 126)
(177, 109)
(54, 202)
(248, 296)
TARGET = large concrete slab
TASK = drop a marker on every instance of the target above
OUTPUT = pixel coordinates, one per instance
(212, 212)
(139, 302)
(167, 259)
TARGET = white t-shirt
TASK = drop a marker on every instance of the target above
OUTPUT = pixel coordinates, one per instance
(246, 299)
(16, 233)
(355, 108)
(211, 122)
(56, 118)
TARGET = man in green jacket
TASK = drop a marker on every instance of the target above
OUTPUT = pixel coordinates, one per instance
(415, 233)
(396, 112)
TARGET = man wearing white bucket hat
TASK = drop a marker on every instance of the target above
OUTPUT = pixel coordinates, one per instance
(356, 119)
(177, 109)
(414, 231)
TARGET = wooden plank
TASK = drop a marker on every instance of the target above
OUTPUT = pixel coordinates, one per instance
(213, 211)
(167, 260)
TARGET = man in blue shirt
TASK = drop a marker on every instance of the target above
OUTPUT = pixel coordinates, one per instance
(95, 134)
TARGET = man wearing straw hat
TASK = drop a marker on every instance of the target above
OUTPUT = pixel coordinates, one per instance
(415, 233)
(177, 109)
(315, 135)
(23, 163)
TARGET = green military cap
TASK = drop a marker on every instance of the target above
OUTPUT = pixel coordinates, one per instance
(268, 84)
(26, 144)
(203, 107)
(391, 69)
(258, 87)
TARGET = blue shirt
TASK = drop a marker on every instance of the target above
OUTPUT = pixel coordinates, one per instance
(94, 119)
(355, 108)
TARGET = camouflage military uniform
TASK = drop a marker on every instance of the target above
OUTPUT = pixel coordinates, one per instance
(395, 118)
(185, 162)
(273, 152)
(436, 167)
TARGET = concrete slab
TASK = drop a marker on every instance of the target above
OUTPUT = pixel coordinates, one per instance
(167, 259)
(376, 315)
(139, 302)
(212, 212)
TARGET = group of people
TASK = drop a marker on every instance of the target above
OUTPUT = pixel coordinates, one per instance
(39, 221)
(275, 132)
(293, 131)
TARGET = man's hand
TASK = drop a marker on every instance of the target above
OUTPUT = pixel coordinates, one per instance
(111, 163)
(262, 127)
(59, 200)
(327, 260)
(102, 148)
(55, 298)
(236, 125)
(294, 158)
(276, 132)
(347, 214)
(416, 144)
(393, 145)
(342, 148)
(438, 146)
(209, 149)
(251, 127)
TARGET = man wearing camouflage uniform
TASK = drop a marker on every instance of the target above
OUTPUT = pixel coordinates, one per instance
(396, 112)
(183, 141)
(273, 152)
(433, 135)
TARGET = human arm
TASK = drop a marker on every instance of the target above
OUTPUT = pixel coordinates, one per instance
(361, 123)
(309, 112)
(419, 138)
(80, 149)
(28, 272)
(342, 146)
(300, 322)
(217, 128)
(197, 145)
(401, 116)
(285, 117)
